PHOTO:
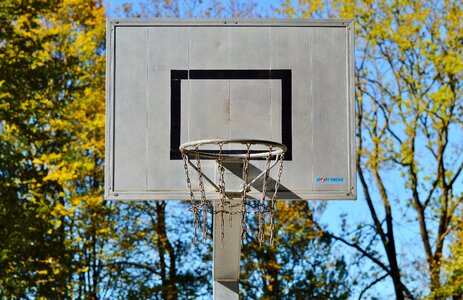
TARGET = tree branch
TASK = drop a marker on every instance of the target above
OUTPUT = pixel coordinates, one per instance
(134, 264)
(372, 284)
(361, 250)
(452, 181)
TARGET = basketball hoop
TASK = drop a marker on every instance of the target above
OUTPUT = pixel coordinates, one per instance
(243, 151)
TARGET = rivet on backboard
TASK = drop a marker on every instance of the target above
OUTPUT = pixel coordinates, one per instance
(225, 22)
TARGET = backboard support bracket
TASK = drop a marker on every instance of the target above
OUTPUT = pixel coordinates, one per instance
(226, 259)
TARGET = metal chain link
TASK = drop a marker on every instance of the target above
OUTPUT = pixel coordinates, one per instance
(204, 204)
(193, 207)
(221, 169)
(243, 194)
(261, 212)
(273, 201)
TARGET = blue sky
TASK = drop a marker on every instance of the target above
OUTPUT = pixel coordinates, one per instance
(263, 5)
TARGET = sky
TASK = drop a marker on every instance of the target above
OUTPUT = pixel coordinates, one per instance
(111, 5)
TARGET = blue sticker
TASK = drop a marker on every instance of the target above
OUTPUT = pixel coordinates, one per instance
(331, 180)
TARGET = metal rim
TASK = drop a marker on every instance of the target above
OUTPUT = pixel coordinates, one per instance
(191, 148)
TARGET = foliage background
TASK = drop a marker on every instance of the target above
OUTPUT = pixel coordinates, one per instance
(59, 240)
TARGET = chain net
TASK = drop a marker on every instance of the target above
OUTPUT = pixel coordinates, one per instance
(263, 208)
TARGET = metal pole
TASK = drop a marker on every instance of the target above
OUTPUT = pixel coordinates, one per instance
(226, 258)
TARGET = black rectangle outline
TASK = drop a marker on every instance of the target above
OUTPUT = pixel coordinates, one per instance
(176, 77)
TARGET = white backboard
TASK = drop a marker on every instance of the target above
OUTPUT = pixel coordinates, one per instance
(170, 81)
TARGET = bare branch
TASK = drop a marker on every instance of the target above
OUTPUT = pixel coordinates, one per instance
(361, 250)
(372, 284)
(371, 207)
(428, 198)
(452, 181)
(368, 255)
(134, 264)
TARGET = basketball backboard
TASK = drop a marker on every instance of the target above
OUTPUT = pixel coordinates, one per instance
(170, 81)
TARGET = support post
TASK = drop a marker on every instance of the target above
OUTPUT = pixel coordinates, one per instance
(226, 258)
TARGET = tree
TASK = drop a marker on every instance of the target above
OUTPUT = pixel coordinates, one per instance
(157, 259)
(190, 9)
(452, 285)
(301, 264)
(409, 69)
(58, 238)
(52, 124)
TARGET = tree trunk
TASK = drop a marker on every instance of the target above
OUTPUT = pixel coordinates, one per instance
(168, 273)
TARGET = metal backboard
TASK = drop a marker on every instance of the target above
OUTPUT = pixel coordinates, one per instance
(171, 81)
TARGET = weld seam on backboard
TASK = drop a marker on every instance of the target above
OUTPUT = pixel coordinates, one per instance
(109, 85)
(113, 119)
(147, 111)
(348, 140)
(189, 97)
(236, 22)
(229, 87)
(351, 88)
(269, 92)
(311, 50)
